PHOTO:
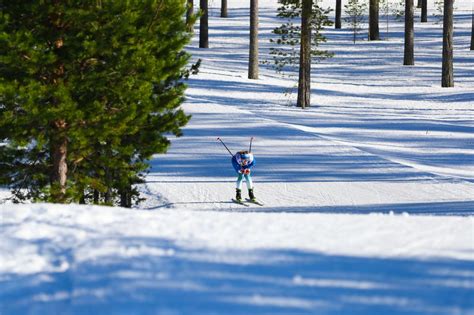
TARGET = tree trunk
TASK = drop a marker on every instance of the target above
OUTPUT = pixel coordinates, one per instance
(204, 26)
(304, 82)
(338, 13)
(419, 3)
(126, 197)
(189, 14)
(447, 79)
(253, 54)
(424, 11)
(409, 58)
(472, 32)
(96, 197)
(224, 8)
(59, 171)
(374, 20)
(108, 196)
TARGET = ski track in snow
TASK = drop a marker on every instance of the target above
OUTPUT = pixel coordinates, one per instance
(368, 195)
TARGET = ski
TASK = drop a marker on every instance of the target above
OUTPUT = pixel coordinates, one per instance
(255, 202)
(240, 202)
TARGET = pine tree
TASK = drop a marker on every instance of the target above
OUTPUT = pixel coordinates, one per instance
(355, 10)
(88, 91)
(286, 55)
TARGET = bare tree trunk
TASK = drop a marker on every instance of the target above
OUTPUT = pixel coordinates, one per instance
(409, 58)
(304, 82)
(447, 79)
(253, 54)
(189, 14)
(59, 159)
(424, 11)
(419, 3)
(374, 20)
(108, 196)
(204, 25)
(224, 9)
(96, 197)
(338, 13)
(126, 197)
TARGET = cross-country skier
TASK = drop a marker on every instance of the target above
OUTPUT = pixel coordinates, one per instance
(242, 162)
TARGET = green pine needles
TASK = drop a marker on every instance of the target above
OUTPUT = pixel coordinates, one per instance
(288, 35)
(88, 92)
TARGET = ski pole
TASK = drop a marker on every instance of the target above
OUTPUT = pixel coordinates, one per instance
(225, 146)
(250, 147)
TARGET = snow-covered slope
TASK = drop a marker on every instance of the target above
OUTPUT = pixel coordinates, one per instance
(368, 195)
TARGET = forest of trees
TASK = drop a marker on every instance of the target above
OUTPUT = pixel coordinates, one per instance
(89, 90)
(305, 38)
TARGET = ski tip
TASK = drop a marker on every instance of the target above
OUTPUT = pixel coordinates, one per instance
(255, 202)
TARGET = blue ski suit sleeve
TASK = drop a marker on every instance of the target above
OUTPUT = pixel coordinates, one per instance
(236, 165)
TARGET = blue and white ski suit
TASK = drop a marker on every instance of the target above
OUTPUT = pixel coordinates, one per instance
(242, 161)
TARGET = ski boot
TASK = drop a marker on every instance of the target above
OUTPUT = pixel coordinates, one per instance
(238, 195)
(252, 196)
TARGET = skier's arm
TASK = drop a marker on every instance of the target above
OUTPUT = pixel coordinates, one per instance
(251, 163)
(236, 165)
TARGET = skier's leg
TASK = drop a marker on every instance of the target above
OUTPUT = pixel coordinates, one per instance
(238, 188)
(249, 182)
(238, 184)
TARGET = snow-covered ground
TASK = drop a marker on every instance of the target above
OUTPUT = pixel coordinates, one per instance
(369, 194)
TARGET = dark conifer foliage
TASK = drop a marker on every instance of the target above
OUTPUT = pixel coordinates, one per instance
(88, 91)
(189, 15)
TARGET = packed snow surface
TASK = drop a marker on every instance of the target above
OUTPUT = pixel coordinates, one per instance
(368, 194)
